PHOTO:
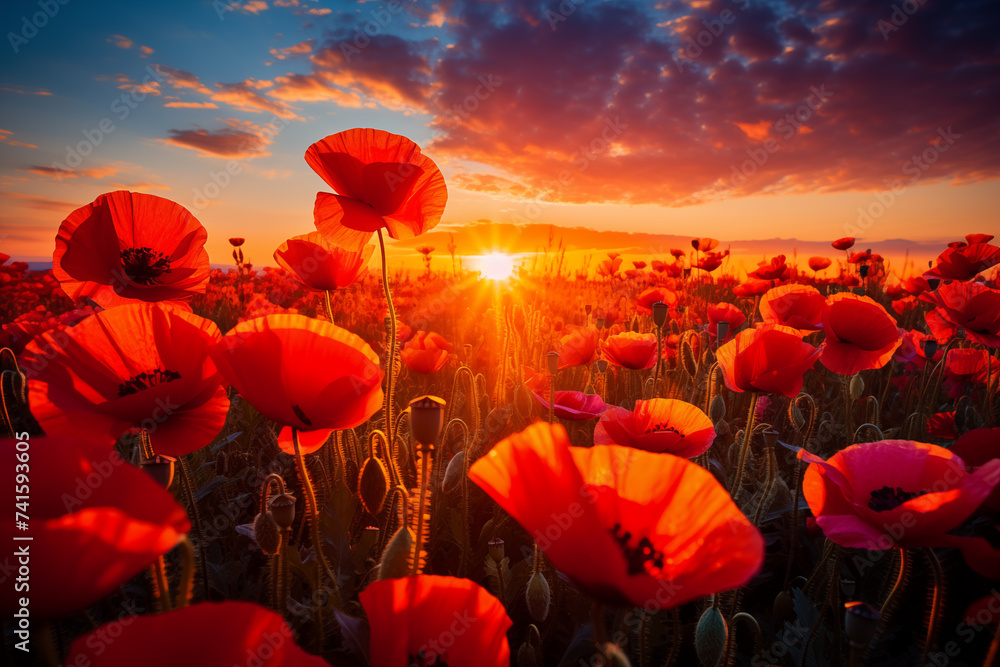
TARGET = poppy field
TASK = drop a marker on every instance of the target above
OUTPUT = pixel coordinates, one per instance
(335, 461)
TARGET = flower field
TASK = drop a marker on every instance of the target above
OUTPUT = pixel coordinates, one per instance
(664, 462)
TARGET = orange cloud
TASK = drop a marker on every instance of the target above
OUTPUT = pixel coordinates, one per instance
(121, 41)
(59, 173)
(239, 140)
(191, 105)
(295, 50)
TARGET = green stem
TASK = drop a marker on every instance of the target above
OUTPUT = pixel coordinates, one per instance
(392, 343)
(329, 306)
(744, 449)
(904, 558)
(935, 603)
(312, 507)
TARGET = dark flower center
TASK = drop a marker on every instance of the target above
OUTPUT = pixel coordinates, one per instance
(420, 659)
(142, 381)
(144, 265)
(889, 498)
(642, 557)
(662, 428)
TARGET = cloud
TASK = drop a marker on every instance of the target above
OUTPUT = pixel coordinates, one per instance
(252, 7)
(319, 11)
(121, 41)
(146, 87)
(141, 185)
(244, 96)
(59, 173)
(22, 91)
(238, 140)
(5, 138)
(191, 105)
(43, 203)
(145, 51)
(306, 88)
(181, 80)
(299, 49)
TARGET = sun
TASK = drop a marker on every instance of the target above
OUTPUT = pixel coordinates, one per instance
(496, 266)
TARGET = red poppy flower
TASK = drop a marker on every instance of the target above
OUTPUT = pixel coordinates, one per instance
(916, 285)
(967, 368)
(965, 262)
(302, 372)
(942, 425)
(210, 633)
(880, 495)
(630, 350)
(657, 425)
(983, 612)
(432, 620)
(844, 243)
(977, 448)
(859, 257)
(819, 263)
(237, 241)
(728, 313)
(753, 287)
(776, 269)
(965, 304)
(131, 246)
(912, 348)
(426, 352)
(860, 334)
(574, 405)
(797, 306)
(320, 265)
(609, 267)
(381, 180)
(644, 304)
(677, 253)
(629, 527)
(138, 366)
(95, 523)
(978, 238)
(711, 261)
(577, 347)
(770, 358)
(705, 244)
(904, 305)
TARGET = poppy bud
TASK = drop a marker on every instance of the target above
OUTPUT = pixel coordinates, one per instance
(660, 313)
(161, 469)
(783, 607)
(240, 251)
(602, 365)
(538, 597)
(453, 473)
(266, 533)
(496, 549)
(553, 360)
(717, 411)
(930, 348)
(848, 587)
(395, 561)
(587, 309)
(860, 622)
(236, 257)
(960, 333)
(526, 656)
(600, 322)
(863, 270)
(857, 387)
(770, 438)
(373, 485)
(798, 419)
(282, 509)
(860, 291)
(721, 330)
(710, 637)
(933, 283)
(613, 656)
(426, 418)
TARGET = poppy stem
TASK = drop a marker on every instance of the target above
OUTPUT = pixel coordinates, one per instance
(744, 449)
(313, 518)
(186, 588)
(993, 658)
(935, 603)
(597, 619)
(904, 561)
(329, 306)
(392, 343)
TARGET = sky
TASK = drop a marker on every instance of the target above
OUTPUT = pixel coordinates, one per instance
(736, 119)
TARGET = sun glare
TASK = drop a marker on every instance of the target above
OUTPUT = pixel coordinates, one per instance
(496, 266)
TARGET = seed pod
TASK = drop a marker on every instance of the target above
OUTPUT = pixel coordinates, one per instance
(526, 656)
(453, 473)
(687, 358)
(395, 561)
(282, 509)
(538, 597)
(710, 637)
(798, 419)
(266, 533)
(373, 485)
(718, 409)
(857, 387)
(496, 549)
